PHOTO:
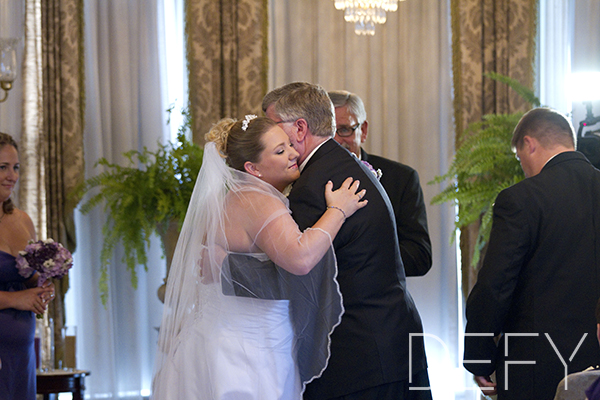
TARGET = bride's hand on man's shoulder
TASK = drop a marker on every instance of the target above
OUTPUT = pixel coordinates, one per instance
(348, 197)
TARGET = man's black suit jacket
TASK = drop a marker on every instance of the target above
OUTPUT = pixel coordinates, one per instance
(371, 345)
(540, 277)
(401, 183)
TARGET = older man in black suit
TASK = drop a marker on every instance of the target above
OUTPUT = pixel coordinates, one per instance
(371, 353)
(400, 182)
(530, 316)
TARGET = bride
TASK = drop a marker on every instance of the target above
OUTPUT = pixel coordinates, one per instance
(251, 301)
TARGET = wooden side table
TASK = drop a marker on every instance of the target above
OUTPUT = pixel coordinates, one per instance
(61, 381)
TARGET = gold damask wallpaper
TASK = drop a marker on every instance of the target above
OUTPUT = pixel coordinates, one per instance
(227, 60)
(488, 36)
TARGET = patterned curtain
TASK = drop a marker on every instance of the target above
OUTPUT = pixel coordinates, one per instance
(488, 36)
(52, 138)
(227, 60)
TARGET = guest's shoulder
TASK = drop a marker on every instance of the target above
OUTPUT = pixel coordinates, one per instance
(16, 230)
(382, 162)
(576, 383)
(22, 219)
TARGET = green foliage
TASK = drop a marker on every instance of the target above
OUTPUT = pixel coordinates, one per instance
(141, 198)
(483, 165)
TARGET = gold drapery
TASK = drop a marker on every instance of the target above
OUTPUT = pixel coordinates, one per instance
(488, 36)
(52, 138)
(227, 60)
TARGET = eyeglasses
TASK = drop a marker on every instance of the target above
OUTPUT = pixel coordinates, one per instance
(284, 122)
(345, 131)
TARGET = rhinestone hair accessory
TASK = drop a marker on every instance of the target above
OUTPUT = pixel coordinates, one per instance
(247, 120)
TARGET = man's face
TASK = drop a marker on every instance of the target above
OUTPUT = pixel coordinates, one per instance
(289, 128)
(347, 123)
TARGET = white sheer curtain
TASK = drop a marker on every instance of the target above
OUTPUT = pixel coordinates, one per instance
(125, 65)
(586, 50)
(569, 43)
(172, 48)
(555, 38)
(403, 74)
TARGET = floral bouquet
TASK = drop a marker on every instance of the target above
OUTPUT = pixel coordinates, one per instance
(49, 258)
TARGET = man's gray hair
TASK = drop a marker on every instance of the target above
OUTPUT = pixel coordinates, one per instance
(355, 105)
(303, 100)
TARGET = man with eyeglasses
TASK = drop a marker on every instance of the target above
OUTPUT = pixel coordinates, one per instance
(400, 181)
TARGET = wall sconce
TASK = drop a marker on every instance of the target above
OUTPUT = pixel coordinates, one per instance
(8, 64)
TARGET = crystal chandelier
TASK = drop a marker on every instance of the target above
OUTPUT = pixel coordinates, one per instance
(366, 13)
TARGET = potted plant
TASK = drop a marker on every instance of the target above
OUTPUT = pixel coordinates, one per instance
(150, 195)
(484, 165)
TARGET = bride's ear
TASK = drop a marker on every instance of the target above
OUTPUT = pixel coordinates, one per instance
(251, 169)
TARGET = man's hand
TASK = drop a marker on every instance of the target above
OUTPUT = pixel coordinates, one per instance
(486, 385)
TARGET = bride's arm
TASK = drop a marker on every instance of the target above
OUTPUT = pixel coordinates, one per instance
(275, 232)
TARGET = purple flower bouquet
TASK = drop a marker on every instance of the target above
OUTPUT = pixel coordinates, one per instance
(47, 257)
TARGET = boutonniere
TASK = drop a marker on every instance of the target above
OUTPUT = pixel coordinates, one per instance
(377, 172)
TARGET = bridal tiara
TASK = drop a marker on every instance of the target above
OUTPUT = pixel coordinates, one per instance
(247, 120)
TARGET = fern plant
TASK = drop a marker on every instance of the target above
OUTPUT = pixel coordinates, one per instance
(484, 165)
(141, 198)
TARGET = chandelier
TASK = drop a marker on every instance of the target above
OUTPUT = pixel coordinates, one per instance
(366, 13)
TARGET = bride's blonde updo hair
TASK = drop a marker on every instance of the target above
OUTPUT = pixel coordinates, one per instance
(238, 145)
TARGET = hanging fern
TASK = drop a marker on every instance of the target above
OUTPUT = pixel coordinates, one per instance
(141, 198)
(484, 165)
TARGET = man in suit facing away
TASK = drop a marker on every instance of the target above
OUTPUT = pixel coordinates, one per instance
(530, 316)
(370, 353)
(400, 182)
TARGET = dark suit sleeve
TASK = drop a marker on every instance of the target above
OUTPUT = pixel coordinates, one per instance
(489, 302)
(411, 223)
(307, 205)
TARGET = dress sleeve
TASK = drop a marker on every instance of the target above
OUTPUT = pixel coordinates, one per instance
(273, 230)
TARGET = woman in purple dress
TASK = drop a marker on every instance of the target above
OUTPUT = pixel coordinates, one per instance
(20, 297)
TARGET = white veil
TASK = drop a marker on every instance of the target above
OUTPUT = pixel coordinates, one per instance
(204, 271)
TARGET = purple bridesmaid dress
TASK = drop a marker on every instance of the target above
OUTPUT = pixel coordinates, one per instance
(17, 330)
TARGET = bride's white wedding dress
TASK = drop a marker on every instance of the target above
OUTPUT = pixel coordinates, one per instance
(235, 325)
(241, 348)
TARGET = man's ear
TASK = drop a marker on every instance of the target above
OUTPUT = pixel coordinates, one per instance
(251, 169)
(364, 127)
(530, 144)
(598, 332)
(302, 127)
